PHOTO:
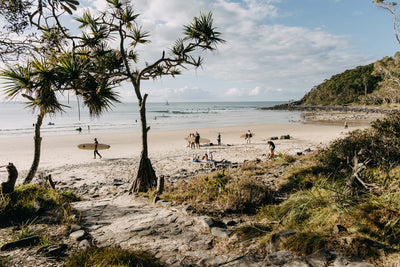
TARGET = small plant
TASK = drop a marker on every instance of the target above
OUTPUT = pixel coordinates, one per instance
(251, 231)
(26, 231)
(95, 256)
(3, 261)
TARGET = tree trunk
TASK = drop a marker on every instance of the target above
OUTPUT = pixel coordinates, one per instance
(36, 157)
(8, 186)
(146, 177)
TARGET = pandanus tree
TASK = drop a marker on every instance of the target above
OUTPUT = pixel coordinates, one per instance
(34, 82)
(42, 82)
(119, 23)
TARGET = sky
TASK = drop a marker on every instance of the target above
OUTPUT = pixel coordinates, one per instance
(275, 50)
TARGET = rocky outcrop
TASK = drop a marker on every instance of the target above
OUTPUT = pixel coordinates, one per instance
(295, 107)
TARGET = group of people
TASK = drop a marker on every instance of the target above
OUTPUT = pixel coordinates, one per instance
(194, 140)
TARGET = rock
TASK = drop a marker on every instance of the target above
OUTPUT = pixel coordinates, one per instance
(220, 232)
(321, 257)
(84, 244)
(75, 227)
(117, 182)
(140, 229)
(296, 263)
(188, 209)
(285, 137)
(24, 242)
(343, 262)
(205, 221)
(165, 203)
(339, 228)
(307, 150)
(53, 250)
(230, 222)
(281, 257)
(273, 138)
(77, 235)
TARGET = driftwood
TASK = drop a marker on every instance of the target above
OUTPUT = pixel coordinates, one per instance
(47, 179)
(25, 242)
(160, 184)
(8, 186)
(355, 179)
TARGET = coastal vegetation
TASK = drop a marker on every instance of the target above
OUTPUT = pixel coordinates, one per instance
(344, 197)
(27, 202)
(111, 257)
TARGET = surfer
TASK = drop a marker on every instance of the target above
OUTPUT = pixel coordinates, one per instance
(249, 135)
(95, 149)
(197, 140)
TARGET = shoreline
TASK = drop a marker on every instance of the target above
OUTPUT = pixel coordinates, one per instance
(60, 151)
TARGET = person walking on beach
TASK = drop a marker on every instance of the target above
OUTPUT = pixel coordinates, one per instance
(197, 140)
(219, 139)
(249, 135)
(96, 143)
(271, 149)
(346, 125)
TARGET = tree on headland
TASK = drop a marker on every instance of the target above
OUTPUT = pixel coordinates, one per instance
(119, 23)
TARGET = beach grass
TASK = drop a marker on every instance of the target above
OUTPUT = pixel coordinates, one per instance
(29, 201)
(96, 256)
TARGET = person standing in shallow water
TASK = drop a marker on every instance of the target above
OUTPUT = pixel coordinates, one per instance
(219, 139)
(96, 143)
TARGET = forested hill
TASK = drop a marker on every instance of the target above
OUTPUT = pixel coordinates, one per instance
(349, 87)
(374, 84)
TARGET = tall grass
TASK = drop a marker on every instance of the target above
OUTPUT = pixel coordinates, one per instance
(27, 201)
(95, 256)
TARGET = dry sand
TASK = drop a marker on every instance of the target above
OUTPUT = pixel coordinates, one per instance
(167, 149)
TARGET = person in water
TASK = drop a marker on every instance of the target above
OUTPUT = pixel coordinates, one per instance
(96, 143)
(219, 139)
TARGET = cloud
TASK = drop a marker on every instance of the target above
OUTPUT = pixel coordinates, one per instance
(234, 92)
(255, 91)
(257, 51)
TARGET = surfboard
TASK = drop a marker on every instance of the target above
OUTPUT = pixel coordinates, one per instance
(90, 146)
(202, 140)
(244, 135)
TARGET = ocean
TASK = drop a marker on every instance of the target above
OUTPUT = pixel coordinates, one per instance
(16, 120)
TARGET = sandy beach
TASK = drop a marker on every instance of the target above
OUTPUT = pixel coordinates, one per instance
(168, 149)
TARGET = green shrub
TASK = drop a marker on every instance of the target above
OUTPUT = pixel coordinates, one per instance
(377, 146)
(28, 200)
(222, 193)
(95, 256)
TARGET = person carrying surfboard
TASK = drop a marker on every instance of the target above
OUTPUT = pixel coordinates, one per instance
(95, 149)
(249, 135)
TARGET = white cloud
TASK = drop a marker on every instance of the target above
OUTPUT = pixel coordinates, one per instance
(256, 53)
(234, 92)
(255, 91)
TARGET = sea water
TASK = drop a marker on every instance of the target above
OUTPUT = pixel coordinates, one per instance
(17, 120)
